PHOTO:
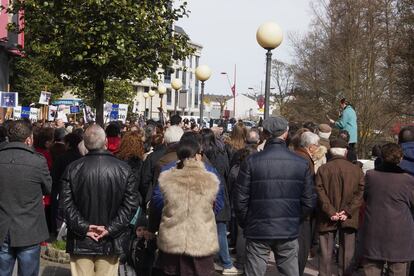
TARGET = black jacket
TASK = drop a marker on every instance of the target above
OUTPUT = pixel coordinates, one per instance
(148, 170)
(136, 166)
(59, 166)
(24, 179)
(219, 160)
(274, 191)
(98, 189)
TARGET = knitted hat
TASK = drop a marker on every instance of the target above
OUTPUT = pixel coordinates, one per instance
(325, 128)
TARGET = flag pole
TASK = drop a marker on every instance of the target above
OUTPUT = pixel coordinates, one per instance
(234, 93)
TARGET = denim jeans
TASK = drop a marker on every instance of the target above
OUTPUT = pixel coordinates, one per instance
(224, 247)
(28, 259)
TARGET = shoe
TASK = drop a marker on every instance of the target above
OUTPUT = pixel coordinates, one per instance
(231, 271)
(218, 267)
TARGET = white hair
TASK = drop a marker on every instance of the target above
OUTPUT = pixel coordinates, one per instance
(94, 138)
(173, 134)
(309, 138)
(338, 151)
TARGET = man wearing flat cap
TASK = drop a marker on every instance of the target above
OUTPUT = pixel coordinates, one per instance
(274, 190)
(340, 187)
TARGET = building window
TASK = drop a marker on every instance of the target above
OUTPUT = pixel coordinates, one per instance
(190, 96)
(191, 61)
(146, 89)
(197, 83)
(167, 76)
(169, 96)
(197, 61)
(197, 88)
(184, 78)
(177, 73)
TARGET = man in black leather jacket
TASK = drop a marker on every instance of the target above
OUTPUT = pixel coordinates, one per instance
(100, 197)
(274, 190)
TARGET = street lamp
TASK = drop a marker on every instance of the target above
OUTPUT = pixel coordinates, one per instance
(151, 93)
(145, 95)
(176, 84)
(233, 92)
(203, 73)
(269, 36)
(161, 90)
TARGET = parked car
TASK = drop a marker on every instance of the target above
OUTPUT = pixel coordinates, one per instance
(249, 124)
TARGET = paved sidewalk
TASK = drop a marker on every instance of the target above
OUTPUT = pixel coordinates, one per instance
(48, 268)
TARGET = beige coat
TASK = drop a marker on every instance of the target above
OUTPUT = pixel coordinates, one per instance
(319, 157)
(188, 224)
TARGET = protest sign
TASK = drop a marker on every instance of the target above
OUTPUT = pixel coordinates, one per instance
(74, 109)
(118, 112)
(52, 114)
(88, 115)
(17, 113)
(45, 97)
(9, 99)
(34, 114)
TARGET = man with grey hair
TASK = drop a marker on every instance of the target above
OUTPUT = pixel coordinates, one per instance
(100, 197)
(274, 190)
(309, 144)
(340, 187)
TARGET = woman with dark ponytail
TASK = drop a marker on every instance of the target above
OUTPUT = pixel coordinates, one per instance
(187, 237)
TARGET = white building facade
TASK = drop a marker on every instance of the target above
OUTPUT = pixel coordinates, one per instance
(188, 97)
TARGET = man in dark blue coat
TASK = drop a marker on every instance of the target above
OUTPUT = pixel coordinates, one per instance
(274, 191)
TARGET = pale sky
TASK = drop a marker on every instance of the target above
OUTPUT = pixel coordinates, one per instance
(227, 31)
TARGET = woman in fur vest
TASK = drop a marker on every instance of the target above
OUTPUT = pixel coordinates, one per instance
(187, 237)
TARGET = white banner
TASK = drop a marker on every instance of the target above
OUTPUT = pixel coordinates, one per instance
(118, 112)
(34, 114)
(17, 113)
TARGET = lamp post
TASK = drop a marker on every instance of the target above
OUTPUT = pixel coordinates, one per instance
(176, 84)
(161, 91)
(269, 36)
(233, 92)
(145, 95)
(203, 73)
(151, 93)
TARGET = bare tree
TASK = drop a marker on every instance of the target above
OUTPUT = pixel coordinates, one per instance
(283, 81)
(352, 52)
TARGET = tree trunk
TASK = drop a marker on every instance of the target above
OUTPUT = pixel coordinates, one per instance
(99, 101)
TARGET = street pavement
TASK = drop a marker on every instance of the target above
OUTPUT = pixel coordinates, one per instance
(48, 268)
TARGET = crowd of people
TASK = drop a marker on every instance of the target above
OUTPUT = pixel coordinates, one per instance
(179, 200)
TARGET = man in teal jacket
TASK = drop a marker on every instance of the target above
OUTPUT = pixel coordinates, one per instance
(347, 121)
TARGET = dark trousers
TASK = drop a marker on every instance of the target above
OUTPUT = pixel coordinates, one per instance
(240, 249)
(257, 254)
(345, 254)
(305, 241)
(375, 268)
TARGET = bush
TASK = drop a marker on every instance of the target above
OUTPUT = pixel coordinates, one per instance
(61, 245)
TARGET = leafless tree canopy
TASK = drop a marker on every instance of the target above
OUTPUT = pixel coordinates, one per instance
(358, 49)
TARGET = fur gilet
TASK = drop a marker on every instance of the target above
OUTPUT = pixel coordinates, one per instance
(188, 224)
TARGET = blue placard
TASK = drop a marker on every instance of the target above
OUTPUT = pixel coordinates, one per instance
(74, 109)
(114, 113)
(25, 112)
